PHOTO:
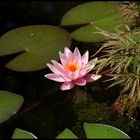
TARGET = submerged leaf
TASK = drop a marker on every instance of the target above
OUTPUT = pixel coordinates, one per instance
(38, 45)
(9, 104)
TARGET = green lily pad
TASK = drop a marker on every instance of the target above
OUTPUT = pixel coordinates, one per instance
(22, 134)
(96, 130)
(88, 33)
(38, 45)
(67, 134)
(105, 15)
(9, 104)
(89, 11)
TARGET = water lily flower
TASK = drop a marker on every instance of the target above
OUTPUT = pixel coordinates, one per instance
(73, 70)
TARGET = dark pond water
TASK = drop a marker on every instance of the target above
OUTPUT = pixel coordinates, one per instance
(47, 110)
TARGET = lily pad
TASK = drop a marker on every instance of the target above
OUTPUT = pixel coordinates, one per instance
(88, 33)
(67, 134)
(89, 11)
(10, 103)
(97, 130)
(105, 15)
(22, 134)
(38, 45)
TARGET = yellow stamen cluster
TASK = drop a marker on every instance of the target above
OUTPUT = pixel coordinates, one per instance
(72, 67)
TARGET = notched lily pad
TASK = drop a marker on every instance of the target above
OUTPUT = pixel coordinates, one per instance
(38, 45)
(10, 103)
(88, 33)
(22, 134)
(105, 15)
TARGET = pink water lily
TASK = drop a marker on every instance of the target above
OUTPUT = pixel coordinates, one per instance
(73, 70)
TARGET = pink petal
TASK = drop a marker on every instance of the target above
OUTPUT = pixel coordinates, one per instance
(67, 86)
(77, 57)
(71, 58)
(90, 65)
(87, 68)
(82, 72)
(63, 58)
(77, 53)
(74, 58)
(68, 74)
(58, 66)
(54, 69)
(67, 51)
(74, 75)
(80, 82)
(96, 77)
(85, 58)
(88, 78)
(91, 77)
(61, 69)
(55, 77)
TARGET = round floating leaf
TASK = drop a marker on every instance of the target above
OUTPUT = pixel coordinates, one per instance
(96, 130)
(88, 33)
(9, 104)
(22, 134)
(66, 134)
(105, 15)
(90, 11)
(38, 45)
